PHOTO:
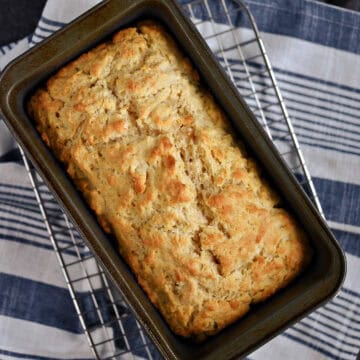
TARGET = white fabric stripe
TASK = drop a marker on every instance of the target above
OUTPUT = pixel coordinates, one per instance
(355, 317)
(322, 163)
(312, 66)
(344, 227)
(309, 109)
(315, 88)
(296, 59)
(6, 48)
(313, 333)
(62, 13)
(49, 27)
(36, 39)
(352, 277)
(18, 260)
(322, 99)
(41, 340)
(327, 312)
(21, 47)
(40, 32)
(352, 304)
(7, 142)
(296, 91)
(5, 357)
(342, 327)
(317, 118)
(283, 348)
(317, 326)
(315, 341)
(311, 86)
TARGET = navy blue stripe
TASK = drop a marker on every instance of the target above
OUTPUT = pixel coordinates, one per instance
(39, 35)
(273, 126)
(20, 222)
(9, 195)
(351, 292)
(58, 228)
(309, 21)
(2, 50)
(18, 187)
(16, 203)
(26, 216)
(337, 120)
(41, 245)
(32, 42)
(332, 27)
(319, 81)
(305, 140)
(316, 145)
(50, 31)
(327, 125)
(347, 300)
(63, 240)
(331, 345)
(330, 101)
(34, 209)
(22, 231)
(303, 77)
(336, 196)
(31, 357)
(343, 315)
(52, 22)
(273, 100)
(309, 87)
(241, 84)
(294, 108)
(331, 327)
(20, 204)
(241, 80)
(50, 305)
(312, 346)
(352, 311)
(36, 39)
(318, 123)
(11, 156)
(26, 242)
(333, 320)
(317, 330)
(316, 89)
(38, 302)
(272, 122)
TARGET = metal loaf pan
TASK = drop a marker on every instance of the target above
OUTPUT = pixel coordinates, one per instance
(315, 286)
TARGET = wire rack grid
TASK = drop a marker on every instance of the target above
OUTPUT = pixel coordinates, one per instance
(110, 328)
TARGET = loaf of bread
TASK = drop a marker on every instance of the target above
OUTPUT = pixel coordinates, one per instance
(158, 162)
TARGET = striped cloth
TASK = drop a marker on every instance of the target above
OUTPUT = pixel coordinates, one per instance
(314, 50)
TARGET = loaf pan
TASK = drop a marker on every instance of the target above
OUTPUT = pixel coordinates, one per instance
(316, 285)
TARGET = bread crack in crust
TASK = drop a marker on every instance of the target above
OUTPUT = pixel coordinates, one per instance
(158, 162)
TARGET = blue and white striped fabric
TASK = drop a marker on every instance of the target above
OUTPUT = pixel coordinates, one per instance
(315, 51)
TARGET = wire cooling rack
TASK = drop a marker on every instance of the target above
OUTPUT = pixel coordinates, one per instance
(110, 328)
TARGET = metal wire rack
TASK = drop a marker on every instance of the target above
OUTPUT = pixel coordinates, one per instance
(110, 328)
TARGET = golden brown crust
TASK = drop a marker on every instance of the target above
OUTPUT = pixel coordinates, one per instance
(156, 160)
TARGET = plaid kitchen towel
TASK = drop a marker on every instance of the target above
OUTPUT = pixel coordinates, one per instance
(314, 49)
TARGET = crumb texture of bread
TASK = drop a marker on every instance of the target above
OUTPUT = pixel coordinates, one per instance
(158, 162)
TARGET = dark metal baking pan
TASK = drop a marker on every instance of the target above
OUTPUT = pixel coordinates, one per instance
(315, 286)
